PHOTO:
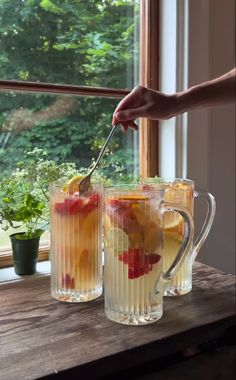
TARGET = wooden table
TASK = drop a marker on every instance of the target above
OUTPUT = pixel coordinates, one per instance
(43, 338)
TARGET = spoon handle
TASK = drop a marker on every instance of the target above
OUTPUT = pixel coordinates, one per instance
(85, 182)
(102, 150)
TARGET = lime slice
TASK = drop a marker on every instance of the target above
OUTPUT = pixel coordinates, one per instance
(72, 185)
(117, 241)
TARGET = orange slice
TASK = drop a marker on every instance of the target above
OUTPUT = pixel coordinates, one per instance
(72, 186)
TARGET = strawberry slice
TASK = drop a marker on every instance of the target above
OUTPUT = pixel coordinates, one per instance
(117, 203)
(147, 187)
(153, 258)
(134, 273)
(60, 208)
(95, 199)
(122, 216)
(78, 205)
(73, 206)
(69, 206)
(139, 263)
(68, 282)
(94, 202)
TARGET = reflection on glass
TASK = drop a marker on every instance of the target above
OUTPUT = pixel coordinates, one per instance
(70, 128)
(81, 42)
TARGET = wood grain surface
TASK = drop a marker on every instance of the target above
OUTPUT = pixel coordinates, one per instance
(41, 337)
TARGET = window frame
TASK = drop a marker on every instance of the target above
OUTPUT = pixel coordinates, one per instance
(149, 77)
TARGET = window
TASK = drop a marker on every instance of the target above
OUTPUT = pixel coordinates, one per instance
(64, 67)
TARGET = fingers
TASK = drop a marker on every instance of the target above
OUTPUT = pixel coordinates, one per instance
(124, 128)
(133, 126)
(129, 109)
(132, 100)
(127, 117)
(131, 114)
(129, 101)
(114, 120)
(125, 125)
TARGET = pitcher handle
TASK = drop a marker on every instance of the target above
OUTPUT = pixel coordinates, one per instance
(165, 278)
(210, 216)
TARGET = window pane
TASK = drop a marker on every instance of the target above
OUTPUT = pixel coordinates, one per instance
(92, 43)
(69, 128)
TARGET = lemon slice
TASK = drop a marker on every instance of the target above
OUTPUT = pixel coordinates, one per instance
(117, 241)
(177, 194)
(172, 220)
(72, 185)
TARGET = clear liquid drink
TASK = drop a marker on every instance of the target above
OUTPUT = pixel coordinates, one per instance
(133, 245)
(181, 192)
(76, 246)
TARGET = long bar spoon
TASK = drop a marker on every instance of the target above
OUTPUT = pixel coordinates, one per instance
(84, 184)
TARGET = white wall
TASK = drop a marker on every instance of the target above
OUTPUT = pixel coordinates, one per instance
(168, 73)
(211, 133)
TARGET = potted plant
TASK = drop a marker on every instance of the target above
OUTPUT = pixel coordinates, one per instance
(24, 205)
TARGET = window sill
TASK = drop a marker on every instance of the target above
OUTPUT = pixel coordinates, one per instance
(6, 259)
(8, 274)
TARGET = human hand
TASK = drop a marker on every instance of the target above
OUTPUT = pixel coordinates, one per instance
(143, 102)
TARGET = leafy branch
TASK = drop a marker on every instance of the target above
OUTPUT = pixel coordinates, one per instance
(24, 196)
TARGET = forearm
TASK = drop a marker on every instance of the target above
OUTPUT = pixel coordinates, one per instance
(215, 92)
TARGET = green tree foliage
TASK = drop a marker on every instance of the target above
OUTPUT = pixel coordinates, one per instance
(83, 42)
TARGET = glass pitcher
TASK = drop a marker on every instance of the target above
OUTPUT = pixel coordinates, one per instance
(134, 280)
(76, 243)
(182, 192)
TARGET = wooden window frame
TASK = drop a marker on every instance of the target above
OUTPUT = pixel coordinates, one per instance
(149, 77)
